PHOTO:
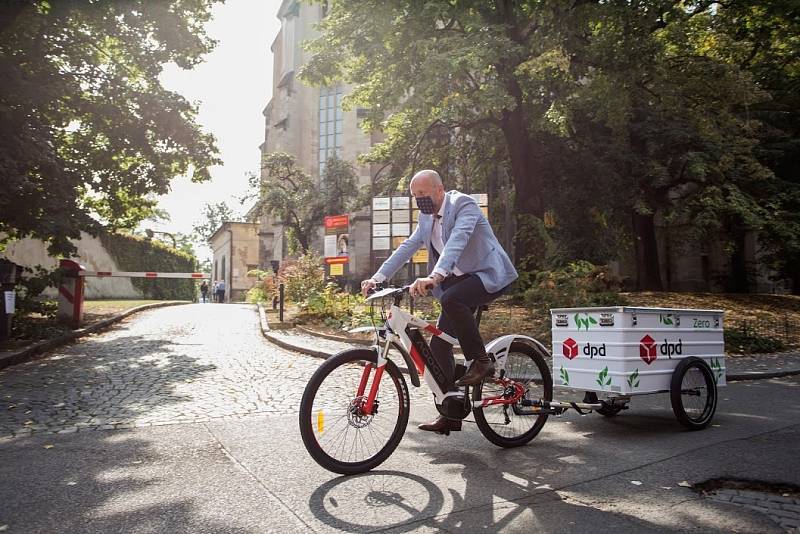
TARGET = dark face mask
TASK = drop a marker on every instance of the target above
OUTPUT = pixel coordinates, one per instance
(426, 205)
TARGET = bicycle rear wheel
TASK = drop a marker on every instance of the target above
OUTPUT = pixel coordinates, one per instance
(514, 425)
(336, 431)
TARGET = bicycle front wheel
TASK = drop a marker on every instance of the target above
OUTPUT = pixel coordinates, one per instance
(336, 429)
(512, 425)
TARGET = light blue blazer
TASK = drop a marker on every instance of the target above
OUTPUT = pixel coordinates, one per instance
(469, 244)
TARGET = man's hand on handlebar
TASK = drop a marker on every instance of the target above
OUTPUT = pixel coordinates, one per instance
(368, 285)
(421, 286)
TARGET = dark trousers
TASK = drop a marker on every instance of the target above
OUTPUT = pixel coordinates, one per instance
(461, 298)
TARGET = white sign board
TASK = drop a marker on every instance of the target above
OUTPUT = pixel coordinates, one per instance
(399, 216)
(401, 229)
(10, 297)
(380, 203)
(380, 243)
(330, 246)
(380, 230)
(400, 203)
(380, 217)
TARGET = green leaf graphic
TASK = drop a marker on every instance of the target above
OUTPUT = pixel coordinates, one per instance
(564, 376)
(592, 320)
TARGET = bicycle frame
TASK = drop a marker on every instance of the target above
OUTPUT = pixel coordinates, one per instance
(403, 328)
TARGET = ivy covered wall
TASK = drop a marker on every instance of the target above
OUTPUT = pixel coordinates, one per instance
(133, 253)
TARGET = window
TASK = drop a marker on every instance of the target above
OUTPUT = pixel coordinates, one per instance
(288, 29)
(330, 125)
(222, 274)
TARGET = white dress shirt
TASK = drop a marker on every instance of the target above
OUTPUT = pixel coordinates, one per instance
(438, 243)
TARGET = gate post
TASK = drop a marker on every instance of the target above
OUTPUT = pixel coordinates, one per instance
(70, 293)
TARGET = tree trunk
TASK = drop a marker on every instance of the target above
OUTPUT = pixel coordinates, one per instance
(527, 181)
(648, 272)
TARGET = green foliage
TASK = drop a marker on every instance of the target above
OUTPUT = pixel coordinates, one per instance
(602, 113)
(214, 216)
(265, 290)
(577, 285)
(303, 277)
(337, 309)
(748, 342)
(293, 197)
(132, 253)
(86, 128)
(30, 287)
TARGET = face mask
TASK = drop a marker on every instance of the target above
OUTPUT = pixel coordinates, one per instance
(426, 205)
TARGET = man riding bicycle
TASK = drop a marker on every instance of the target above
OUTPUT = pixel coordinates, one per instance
(468, 268)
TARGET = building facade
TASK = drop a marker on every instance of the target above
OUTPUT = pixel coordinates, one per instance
(310, 124)
(236, 248)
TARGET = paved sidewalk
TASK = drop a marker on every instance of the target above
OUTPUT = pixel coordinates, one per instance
(745, 367)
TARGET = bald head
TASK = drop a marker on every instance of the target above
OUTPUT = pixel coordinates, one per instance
(427, 177)
(428, 183)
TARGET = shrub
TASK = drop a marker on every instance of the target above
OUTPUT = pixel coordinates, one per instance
(740, 341)
(578, 284)
(303, 277)
(337, 309)
(266, 288)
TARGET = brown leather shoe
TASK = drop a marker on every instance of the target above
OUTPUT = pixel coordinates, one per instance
(479, 370)
(442, 425)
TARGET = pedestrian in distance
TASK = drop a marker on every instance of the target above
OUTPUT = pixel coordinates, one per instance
(221, 291)
(468, 268)
(204, 291)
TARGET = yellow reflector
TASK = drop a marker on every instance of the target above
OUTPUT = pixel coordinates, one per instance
(320, 421)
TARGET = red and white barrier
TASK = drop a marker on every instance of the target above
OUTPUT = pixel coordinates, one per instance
(144, 274)
(71, 289)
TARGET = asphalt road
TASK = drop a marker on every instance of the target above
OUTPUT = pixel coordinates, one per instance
(182, 419)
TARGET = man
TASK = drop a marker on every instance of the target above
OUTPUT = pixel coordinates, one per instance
(468, 268)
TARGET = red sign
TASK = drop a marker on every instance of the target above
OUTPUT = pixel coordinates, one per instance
(570, 348)
(337, 221)
(336, 259)
(647, 349)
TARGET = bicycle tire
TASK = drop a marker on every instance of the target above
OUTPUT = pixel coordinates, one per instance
(307, 404)
(679, 388)
(538, 355)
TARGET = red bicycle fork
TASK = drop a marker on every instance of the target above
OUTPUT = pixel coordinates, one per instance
(369, 404)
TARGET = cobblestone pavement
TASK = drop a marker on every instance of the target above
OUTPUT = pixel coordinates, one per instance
(783, 509)
(171, 365)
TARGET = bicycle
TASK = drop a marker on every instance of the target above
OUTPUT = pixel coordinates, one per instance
(354, 410)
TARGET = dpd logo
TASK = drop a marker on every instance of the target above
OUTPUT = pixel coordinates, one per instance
(591, 351)
(668, 348)
(570, 348)
(647, 349)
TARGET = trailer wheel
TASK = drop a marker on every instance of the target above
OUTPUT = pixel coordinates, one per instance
(693, 393)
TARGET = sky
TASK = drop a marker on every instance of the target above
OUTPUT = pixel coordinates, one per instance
(231, 87)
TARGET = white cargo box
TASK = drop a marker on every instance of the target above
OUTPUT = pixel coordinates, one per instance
(628, 351)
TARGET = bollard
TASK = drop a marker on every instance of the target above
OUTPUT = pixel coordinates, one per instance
(280, 303)
(70, 294)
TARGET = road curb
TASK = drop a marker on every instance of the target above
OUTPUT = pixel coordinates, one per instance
(761, 375)
(265, 331)
(30, 351)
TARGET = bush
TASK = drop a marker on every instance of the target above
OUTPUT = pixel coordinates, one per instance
(578, 284)
(303, 278)
(337, 309)
(266, 288)
(740, 341)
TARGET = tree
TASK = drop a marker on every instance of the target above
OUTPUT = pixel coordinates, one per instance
(214, 216)
(289, 194)
(87, 132)
(429, 70)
